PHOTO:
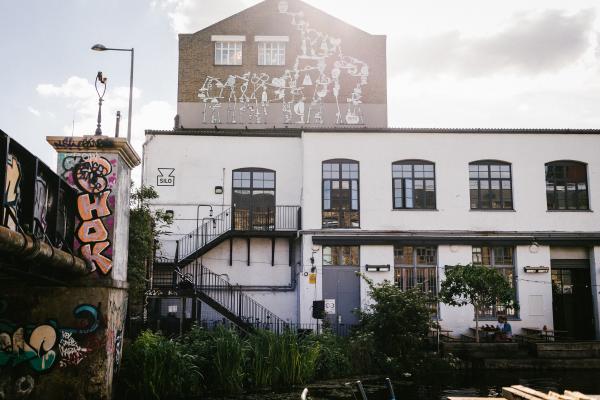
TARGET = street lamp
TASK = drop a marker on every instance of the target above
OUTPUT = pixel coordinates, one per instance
(101, 47)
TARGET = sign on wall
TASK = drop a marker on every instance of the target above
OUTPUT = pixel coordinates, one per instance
(165, 177)
(329, 306)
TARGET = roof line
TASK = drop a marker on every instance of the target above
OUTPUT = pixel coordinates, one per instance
(297, 131)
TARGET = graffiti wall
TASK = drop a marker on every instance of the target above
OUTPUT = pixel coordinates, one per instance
(94, 176)
(12, 192)
(45, 341)
(316, 77)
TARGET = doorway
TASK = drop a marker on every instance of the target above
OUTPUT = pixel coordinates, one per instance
(253, 199)
(341, 287)
(572, 303)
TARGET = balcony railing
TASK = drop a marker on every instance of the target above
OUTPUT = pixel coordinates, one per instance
(237, 219)
(34, 199)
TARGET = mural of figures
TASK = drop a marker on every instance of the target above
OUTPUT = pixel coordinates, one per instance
(299, 93)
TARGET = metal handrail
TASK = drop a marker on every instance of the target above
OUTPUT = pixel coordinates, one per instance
(231, 297)
(280, 218)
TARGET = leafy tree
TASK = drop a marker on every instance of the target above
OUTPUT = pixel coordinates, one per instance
(398, 321)
(145, 225)
(478, 285)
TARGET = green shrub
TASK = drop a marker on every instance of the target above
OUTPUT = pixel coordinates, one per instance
(154, 367)
(334, 358)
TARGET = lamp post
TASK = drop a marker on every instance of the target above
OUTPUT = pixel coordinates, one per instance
(101, 47)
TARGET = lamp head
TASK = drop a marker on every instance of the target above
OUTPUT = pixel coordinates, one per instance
(99, 47)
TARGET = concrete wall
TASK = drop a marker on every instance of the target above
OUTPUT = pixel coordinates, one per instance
(66, 342)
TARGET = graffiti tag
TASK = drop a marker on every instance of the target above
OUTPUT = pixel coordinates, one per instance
(93, 175)
(37, 345)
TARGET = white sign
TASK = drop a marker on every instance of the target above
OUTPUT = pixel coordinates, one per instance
(165, 177)
(329, 306)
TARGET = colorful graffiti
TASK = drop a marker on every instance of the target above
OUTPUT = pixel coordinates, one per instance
(94, 176)
(12, 191)
(316, 73)
(40, 346)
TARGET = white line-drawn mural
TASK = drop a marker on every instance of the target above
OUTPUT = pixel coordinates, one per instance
(299, 93)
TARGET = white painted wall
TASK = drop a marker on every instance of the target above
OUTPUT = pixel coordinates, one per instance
(199, 162)
(452, 153)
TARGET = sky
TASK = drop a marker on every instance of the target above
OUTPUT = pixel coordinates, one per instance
(459, 63)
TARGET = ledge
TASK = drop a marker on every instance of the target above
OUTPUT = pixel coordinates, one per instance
(99, 144)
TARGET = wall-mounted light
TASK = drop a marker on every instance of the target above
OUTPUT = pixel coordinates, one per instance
(218, 189)
(538, 269)
(377, 268)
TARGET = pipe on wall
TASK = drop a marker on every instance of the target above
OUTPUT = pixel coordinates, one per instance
(30, 248)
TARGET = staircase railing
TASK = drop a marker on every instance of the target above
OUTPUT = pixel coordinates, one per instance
(279, 218)
(228, 299)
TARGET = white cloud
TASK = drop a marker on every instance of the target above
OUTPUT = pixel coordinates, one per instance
(79, 95)
(34, 111)
(189, 16)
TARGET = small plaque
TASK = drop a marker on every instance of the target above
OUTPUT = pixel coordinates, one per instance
(329, 306)
(312, 279)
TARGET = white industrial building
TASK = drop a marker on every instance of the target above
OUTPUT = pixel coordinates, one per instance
(274, 213)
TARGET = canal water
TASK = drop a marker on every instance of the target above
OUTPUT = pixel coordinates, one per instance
(473, 384)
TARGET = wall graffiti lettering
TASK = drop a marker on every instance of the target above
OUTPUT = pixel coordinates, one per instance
(94, 176)
(40, 346)
(85, 143)
(71, 353)
(302, 90)
(41, 203)
(12, 191)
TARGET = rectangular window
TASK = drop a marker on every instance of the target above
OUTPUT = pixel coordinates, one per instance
(416, 267)
(413, 185)
(341, 256)
(228, 53)
(490, 185)
(502, 259)
(271, 53)
(340, 186)
(566, 186)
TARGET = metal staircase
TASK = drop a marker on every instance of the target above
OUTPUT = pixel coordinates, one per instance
(185, 276)
(227, 299)
(232, 222)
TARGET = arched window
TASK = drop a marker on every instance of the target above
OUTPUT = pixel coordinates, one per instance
(413, 184)
(253, 199)
(340, 184)
(490, 184)
(566, 185)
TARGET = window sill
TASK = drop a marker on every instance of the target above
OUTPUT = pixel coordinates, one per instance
(415, 209)
(570, 211)
(493, 209)
(516, 319)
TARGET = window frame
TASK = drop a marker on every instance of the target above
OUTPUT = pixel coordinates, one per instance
(489, 179)
(566, 164)
(252, 189)
(412, 163)
(269, 49)
(415, 267)
(342, 247)
(339, 162)
(510, 313)
(221, 48)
